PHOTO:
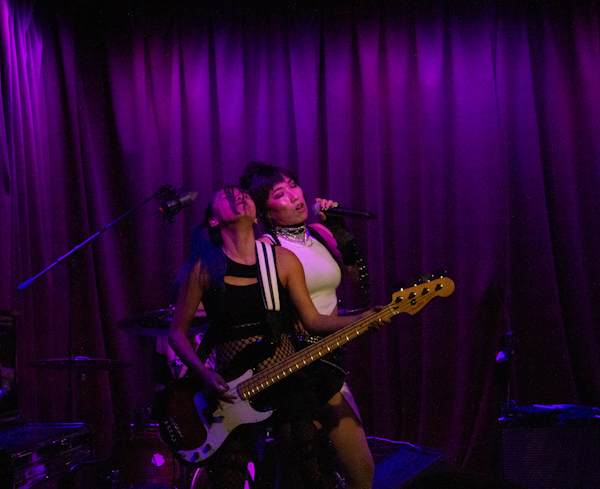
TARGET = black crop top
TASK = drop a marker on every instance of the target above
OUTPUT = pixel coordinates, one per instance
(237, 311)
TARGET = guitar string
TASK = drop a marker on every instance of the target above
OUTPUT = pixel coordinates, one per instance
(386, 312)
(305, 357)
(331, 341)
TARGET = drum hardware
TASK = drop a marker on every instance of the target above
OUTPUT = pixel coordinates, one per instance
(143, 461)
(69, 258)
(158, 322)
(81, 364)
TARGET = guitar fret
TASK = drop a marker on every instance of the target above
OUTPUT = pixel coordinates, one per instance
(252, 385)
(336, 340)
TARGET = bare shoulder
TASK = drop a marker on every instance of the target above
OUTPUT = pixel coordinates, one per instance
(288, 265)
(321, 229)
(284, 255)
(327, 236)
(198, 276)
(286, 259)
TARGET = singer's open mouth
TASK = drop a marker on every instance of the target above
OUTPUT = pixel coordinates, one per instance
(299, 207)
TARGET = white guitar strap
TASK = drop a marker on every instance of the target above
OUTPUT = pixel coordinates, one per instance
(267, 275)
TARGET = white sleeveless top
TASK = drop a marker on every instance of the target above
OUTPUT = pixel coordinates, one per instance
(323, 276)
(322, 273)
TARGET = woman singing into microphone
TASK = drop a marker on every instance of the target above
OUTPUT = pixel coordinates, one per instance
(324, 251)
(222, 273)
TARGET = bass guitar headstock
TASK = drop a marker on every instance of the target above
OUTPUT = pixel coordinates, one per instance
(413, 299)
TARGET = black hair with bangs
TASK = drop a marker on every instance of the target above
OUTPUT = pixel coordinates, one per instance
(258, 180)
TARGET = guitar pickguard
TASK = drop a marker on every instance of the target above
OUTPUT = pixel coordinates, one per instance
(193, 431)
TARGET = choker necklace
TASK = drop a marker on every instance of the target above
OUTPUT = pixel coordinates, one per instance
(296, 234)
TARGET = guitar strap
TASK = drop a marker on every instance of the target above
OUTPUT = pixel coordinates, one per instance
(267, 279)
(267, 276)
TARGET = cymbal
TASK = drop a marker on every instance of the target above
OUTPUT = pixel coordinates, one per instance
(82, 364)
(158, 322)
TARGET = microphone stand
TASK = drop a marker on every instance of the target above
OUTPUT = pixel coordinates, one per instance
(161, 192)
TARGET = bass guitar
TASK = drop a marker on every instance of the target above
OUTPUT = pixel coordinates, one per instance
(195, 431)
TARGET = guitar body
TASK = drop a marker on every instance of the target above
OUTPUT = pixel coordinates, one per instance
(192, 428)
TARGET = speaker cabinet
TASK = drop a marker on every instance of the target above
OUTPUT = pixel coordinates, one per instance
(551, 449)
(406, 465)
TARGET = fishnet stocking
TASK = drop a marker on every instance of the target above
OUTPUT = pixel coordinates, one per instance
(303, 457)
(226, 352)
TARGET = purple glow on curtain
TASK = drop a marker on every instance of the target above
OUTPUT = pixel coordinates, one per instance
(473, 133)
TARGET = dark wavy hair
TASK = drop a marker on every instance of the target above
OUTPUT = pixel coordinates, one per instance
(206, 242)
(258, 180)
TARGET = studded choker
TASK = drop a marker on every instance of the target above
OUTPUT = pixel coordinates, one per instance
(296, 234)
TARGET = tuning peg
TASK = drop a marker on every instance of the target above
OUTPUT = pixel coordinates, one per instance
(407, 284)
(415, 281)
(401, 285)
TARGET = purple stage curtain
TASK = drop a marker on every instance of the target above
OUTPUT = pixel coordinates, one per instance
(472, 129)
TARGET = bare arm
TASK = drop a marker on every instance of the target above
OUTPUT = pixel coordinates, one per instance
(291, 275)
(190, 296)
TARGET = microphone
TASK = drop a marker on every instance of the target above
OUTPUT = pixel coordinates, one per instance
(343, 212)
(172, 207)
